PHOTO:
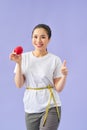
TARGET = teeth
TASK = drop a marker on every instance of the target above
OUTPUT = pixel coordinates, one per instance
(39, 45)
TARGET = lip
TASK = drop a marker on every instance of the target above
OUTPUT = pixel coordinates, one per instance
(39, 45)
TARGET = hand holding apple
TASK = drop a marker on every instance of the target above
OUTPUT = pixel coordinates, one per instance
(18, 50)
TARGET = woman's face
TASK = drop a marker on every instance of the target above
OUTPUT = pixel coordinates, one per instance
(40, 39)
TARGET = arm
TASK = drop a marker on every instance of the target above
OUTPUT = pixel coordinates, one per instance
(19, 77)
(60, 82)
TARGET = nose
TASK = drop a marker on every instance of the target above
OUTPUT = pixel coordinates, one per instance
(38, 39)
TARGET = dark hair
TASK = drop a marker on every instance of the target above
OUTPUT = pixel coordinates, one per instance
(44, 26)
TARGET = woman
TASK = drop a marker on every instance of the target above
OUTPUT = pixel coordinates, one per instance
(44, 76)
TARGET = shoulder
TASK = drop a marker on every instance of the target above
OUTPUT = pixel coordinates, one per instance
(56, 60)
(53, 56)
(26, 54)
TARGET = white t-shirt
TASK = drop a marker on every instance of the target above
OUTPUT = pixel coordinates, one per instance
(39, 72)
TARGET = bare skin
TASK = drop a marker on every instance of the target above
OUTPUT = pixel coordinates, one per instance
(60, 82)
(19, 77)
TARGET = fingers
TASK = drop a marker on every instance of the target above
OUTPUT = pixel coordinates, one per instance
(64, 63)
(14, 57)
(64, 69)
(11, 56)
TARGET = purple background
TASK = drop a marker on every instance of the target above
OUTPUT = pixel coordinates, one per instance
(68, 20)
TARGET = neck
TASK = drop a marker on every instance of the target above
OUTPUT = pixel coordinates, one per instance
(39, 53)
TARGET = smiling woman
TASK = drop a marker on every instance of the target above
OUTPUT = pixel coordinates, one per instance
(40, 38)
(44, 76)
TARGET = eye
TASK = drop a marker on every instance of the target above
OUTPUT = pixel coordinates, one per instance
(43, 37)
(35, 37)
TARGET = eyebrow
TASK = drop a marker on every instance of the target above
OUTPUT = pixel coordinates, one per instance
(40, 35)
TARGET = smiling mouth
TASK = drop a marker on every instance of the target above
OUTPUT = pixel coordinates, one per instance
(39, 45)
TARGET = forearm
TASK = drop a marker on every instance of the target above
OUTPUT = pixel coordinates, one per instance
(19, 78)
(60, 84)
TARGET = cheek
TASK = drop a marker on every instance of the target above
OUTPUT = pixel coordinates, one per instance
(33, 41)
(46, 43)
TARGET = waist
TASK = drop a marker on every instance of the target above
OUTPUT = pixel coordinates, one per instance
(46, 87)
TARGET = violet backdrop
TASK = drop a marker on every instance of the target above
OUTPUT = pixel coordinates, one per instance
(68, 21)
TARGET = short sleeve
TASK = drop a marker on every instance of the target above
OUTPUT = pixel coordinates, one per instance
(22, 65)
(15, 68)
(57, 71)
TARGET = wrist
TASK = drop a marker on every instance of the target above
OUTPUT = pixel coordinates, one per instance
(64, 76)
(19, 63)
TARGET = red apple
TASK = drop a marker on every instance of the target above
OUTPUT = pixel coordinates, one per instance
(18, 50)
